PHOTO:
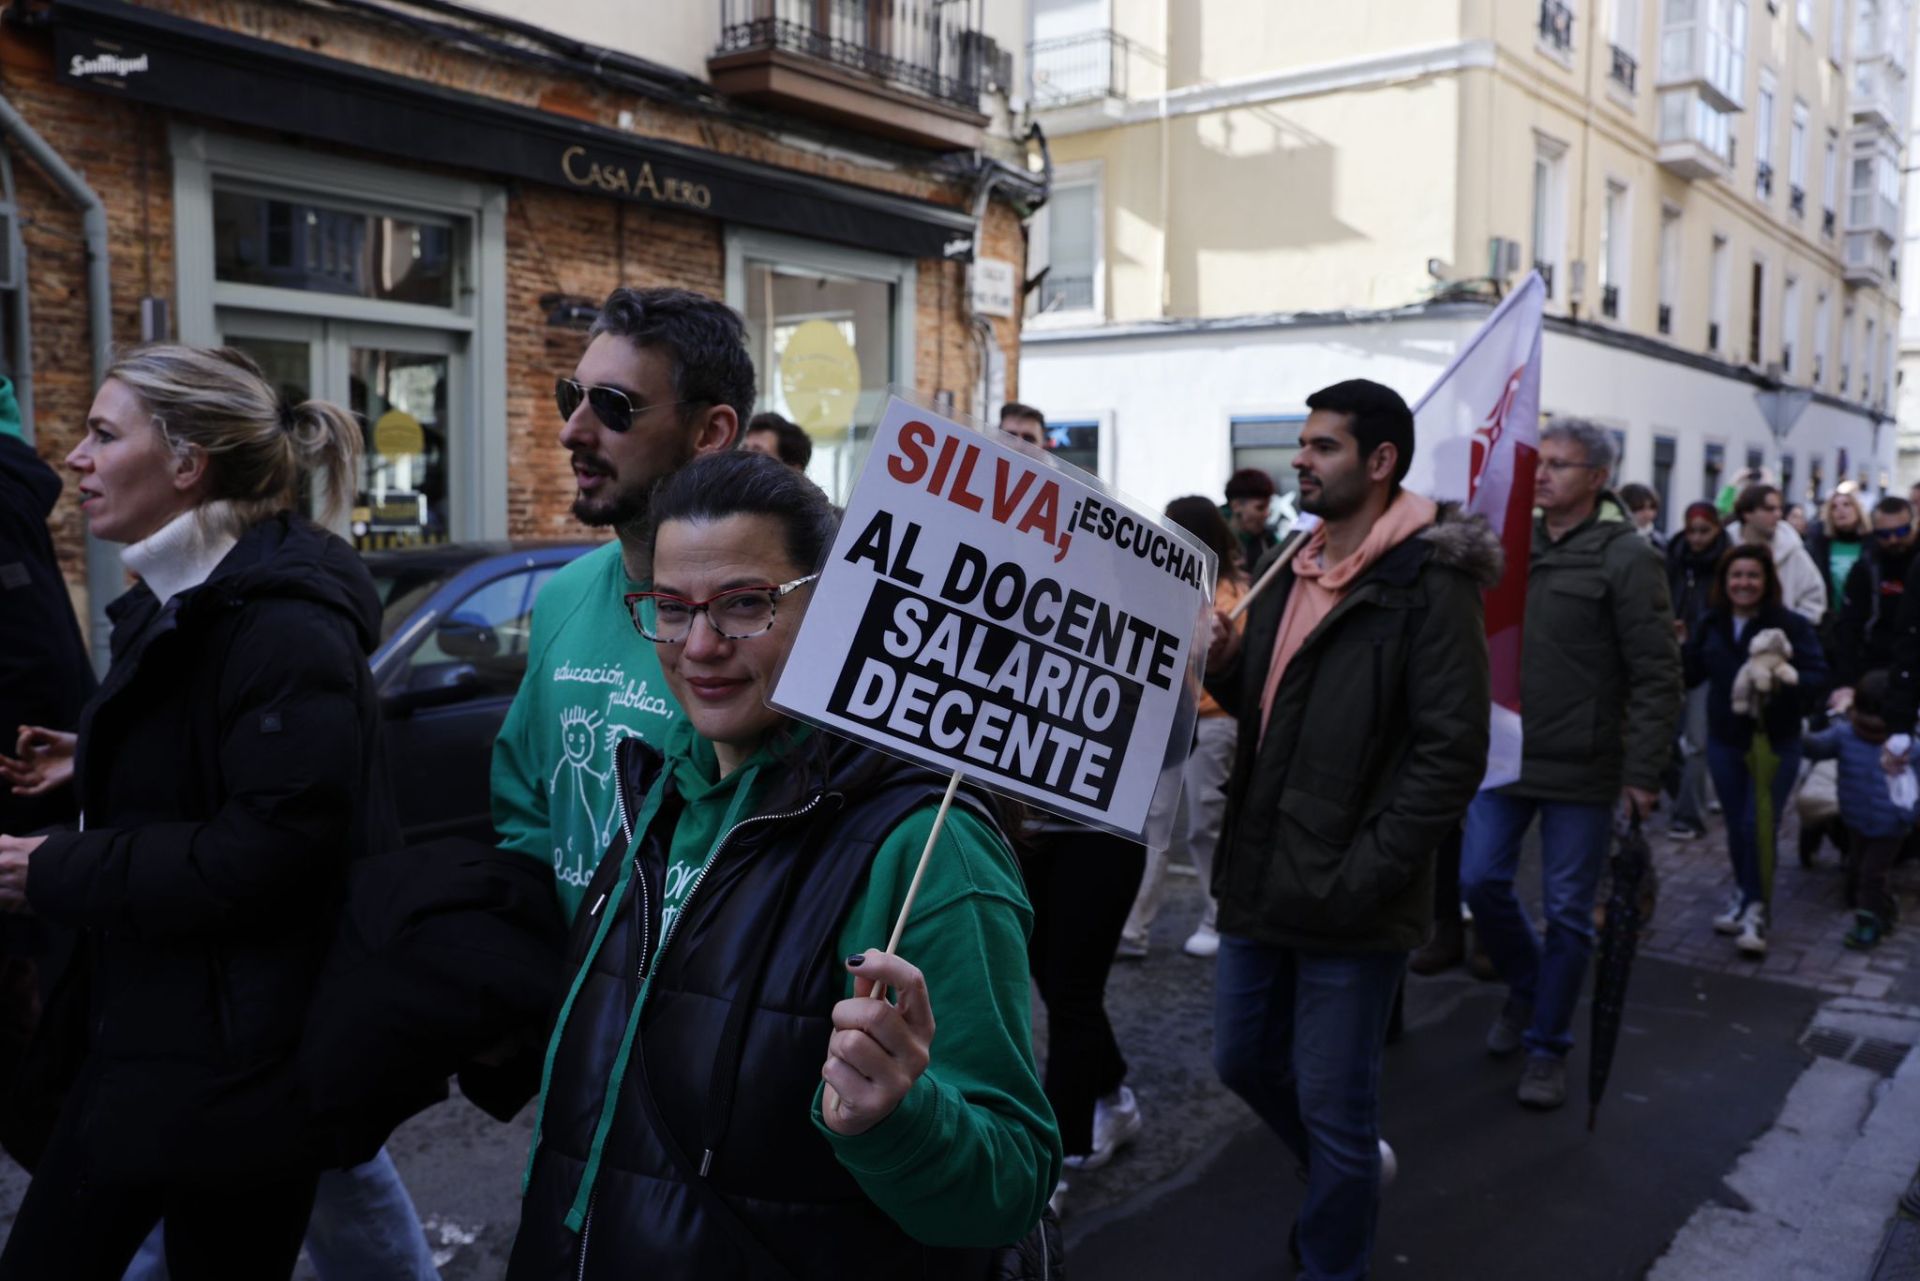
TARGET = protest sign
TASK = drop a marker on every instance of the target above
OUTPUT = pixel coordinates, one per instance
(993, 612)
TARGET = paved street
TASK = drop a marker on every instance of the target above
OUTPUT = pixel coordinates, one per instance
(1721, 1135)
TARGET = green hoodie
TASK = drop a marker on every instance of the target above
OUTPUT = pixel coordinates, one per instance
(591, 681)
(972, 1152)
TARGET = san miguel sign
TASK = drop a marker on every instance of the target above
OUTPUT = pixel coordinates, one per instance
(154, 57)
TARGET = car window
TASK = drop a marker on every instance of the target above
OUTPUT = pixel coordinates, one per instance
(487, 630)
(403, 589)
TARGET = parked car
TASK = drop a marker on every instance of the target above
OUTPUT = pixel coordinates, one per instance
(456, 622)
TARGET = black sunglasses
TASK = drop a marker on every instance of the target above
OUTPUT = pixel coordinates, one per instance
(613, 407)
(1898, 531)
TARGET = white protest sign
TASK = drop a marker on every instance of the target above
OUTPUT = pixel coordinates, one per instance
(1001, 615)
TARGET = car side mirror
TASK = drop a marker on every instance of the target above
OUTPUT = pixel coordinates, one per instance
(441, 685)
(467, 637)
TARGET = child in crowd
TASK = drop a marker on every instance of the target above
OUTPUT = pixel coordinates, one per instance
(1877, 807)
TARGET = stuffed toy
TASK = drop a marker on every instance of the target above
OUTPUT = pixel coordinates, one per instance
(1768, 668)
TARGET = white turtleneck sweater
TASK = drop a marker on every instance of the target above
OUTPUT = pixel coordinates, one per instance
(182, 553)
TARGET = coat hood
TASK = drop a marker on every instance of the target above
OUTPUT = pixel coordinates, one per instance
(284, 557)
(1465, 541)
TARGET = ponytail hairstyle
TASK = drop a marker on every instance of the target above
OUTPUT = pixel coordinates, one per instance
(260, 450)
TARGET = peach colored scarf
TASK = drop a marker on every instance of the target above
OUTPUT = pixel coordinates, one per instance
(1317, 587)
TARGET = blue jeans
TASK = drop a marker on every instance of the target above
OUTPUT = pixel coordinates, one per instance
(1573, 845)
(364, 1228)
(1298, 1035)
(1734, 783)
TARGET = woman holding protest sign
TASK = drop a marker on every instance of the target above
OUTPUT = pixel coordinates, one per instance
(722, 1097)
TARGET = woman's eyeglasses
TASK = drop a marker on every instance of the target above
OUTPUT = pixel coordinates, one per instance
(613, 407)
(739, 613)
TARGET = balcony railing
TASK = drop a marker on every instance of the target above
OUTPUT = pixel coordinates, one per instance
(928, 47)
(1556, 25)
(1713, 335)
(1763, 180)
(1624, 70)
(1818, 369)
(1066, 293)
(1546, 275)
(1082, 68)
(1610, 301)
(1797, 201)
(1826, 223)
(1786, 358)
(1664, 322)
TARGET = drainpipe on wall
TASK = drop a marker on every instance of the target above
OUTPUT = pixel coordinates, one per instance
(105, 575)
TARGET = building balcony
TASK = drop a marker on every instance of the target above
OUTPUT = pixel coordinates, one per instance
(1090, 69)
(1763, 180)
(1879, 87)
(1546, 275)
(1868, 260)
(1623, 70)
(1610, 301)
(1695, 137)
(1556, 25)
(1697, 56)
(1797, 201)
(910, 70)
(1827, 223)
(1664, 320)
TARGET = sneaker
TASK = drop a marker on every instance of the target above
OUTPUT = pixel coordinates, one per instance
(1866, 933)
(1058, 1201)
(1504, 1037)
(1389, 1165)
(1728, 922)
(1116, 1120)
(1129, 949)
(1682, 830)
(1753, 931)
(1543, 1082)
(1203, 943)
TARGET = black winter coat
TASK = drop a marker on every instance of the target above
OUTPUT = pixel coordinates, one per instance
(1690, 577)
(1864, 629)
(45, 674)
(1714, 656)
(1378, 742)
(728, 1043)
(228, 771)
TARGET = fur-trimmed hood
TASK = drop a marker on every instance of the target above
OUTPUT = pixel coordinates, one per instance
(1466, 541)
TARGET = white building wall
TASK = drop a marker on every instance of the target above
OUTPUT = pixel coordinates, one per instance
(1166, 400)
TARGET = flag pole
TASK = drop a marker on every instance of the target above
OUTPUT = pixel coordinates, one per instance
(1295, 541)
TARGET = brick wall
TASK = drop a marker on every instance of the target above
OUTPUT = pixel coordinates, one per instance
(557, 241)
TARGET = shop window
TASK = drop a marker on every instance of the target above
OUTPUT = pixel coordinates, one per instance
(288, 243)
(829, 333)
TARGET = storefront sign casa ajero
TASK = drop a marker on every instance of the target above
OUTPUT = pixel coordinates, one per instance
(581, 170)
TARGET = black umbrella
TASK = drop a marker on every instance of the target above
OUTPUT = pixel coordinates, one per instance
(1619, 938)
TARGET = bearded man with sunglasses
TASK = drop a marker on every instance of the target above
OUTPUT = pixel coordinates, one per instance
(1864, 631)
(665, 378)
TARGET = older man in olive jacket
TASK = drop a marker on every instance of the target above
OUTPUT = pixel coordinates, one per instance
(1362, 696)
(1600, 695)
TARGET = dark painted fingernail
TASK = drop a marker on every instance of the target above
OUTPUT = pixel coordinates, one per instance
(854, 962)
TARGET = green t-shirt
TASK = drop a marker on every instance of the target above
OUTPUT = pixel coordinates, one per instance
(591, 681)
(973, 1151)
(1841, 554)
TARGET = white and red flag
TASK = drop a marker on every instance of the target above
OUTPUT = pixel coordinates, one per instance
(1477, 433)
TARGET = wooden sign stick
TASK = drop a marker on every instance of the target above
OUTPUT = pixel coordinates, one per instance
(913, 887)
